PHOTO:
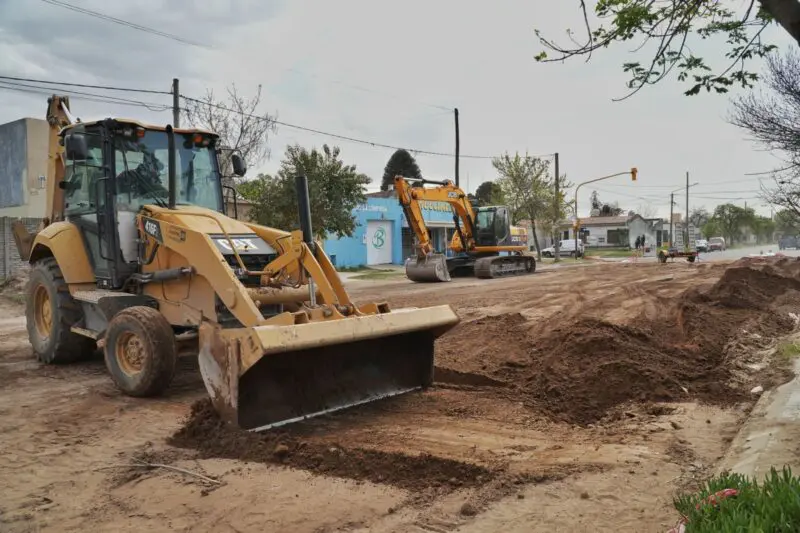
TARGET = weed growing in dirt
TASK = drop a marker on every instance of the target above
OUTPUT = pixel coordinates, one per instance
(773, 505)
(379, 274)
(789, 350)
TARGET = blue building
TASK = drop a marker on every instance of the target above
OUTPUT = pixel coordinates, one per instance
(382, 235)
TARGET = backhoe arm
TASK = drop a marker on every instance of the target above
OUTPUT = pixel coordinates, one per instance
(58, 117)
(464, 216)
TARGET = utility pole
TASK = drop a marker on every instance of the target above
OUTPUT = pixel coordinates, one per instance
(686, 240)
(458, 142)
(671, 217)
(176, 104)
(556, 216)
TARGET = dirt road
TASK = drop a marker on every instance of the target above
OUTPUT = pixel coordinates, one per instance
(575, 399)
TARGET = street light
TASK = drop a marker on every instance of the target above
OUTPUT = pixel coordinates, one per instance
(634, 172)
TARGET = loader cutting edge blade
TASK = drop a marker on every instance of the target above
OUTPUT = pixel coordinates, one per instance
(431, 268)
(277, 375)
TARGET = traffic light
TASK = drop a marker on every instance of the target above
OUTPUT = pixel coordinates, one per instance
(634, 172)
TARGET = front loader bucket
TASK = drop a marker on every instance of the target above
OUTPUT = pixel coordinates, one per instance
(432, 268)
(276, 375)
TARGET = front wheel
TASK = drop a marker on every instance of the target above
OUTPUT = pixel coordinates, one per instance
(140, 351)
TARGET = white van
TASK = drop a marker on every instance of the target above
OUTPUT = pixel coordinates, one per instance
(566, 248)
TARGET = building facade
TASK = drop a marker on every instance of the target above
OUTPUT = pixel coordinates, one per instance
(616, 232)
(23, 168)
(382, 235)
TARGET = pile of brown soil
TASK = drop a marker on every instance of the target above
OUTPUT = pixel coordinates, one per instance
(755, 285)
(577, 370)
(205, 432)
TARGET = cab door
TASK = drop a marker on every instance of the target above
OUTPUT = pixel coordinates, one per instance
(89, 202)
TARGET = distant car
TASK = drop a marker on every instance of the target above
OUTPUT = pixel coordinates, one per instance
(788, 241)
(566, 248)
(701, 245)
(716, 244)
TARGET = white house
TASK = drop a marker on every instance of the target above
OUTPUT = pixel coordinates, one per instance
(619, 231)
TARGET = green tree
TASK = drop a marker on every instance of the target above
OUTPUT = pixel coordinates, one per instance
(334, 188)
(250, 189)
(787, 222)
(732, 220)
(763, 228)
(711, 228)
(490, 193)
(673, 28)
(529, 191)
(401, 163)
(699, 216)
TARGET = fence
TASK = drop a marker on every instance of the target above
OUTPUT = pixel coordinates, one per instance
(10, 262)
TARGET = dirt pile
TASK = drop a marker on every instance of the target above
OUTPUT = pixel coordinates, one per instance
(750, 284)
(577, 370)
(205, 432)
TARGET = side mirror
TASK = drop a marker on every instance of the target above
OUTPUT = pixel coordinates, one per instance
(239, 166)
(75, 146)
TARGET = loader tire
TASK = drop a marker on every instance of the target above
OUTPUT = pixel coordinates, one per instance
(50, 312)
(140, 351)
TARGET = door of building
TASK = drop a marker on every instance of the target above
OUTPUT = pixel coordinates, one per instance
(379, 242)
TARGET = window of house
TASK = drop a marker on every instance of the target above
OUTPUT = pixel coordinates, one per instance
(618, 237)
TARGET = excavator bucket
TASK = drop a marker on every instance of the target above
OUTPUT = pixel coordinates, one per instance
(267, 376)
(431, 268)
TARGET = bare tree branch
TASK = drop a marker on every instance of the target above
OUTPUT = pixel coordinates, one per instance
(238, 123)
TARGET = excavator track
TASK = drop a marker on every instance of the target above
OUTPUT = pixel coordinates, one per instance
(501, 266)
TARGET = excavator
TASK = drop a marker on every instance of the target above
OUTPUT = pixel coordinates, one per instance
(481, 235)
(137, 258)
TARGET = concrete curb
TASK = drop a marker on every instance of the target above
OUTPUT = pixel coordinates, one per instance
(771, 434)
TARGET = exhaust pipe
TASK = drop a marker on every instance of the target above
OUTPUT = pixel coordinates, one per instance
(304, 211)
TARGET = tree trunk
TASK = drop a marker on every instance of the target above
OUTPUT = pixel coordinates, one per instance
(787, 13)
(536, 239)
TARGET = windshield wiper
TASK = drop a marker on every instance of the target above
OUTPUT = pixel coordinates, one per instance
(145, 185)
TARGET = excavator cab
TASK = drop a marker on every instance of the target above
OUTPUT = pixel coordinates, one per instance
(492, 226)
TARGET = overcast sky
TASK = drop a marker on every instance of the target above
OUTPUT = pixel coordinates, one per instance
(389, 75)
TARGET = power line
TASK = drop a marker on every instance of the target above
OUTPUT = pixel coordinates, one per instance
(160, 33)
(767, 172)
(121, 22)
(66, 84)
(415, 151)
(78, 95)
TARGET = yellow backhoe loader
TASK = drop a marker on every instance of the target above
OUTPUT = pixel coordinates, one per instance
(480, 237)
(137, 257)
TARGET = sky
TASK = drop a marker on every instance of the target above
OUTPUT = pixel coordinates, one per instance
(392, 76)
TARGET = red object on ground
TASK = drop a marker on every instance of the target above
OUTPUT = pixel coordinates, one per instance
(712, 499)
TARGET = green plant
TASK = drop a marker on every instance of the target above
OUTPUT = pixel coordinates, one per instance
(771, 506)
(356, 268)
(788, 350)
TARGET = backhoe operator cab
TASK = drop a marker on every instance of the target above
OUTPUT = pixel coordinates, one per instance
(114, 167)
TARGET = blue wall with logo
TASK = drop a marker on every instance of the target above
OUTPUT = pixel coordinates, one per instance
(352, 251)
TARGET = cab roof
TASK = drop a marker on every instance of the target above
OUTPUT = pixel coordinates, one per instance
(146, 126)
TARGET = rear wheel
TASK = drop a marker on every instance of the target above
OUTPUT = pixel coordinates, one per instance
(50, 313)
(140, 351)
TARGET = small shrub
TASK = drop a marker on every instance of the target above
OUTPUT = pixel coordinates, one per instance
(789, 350)
(772, 506)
